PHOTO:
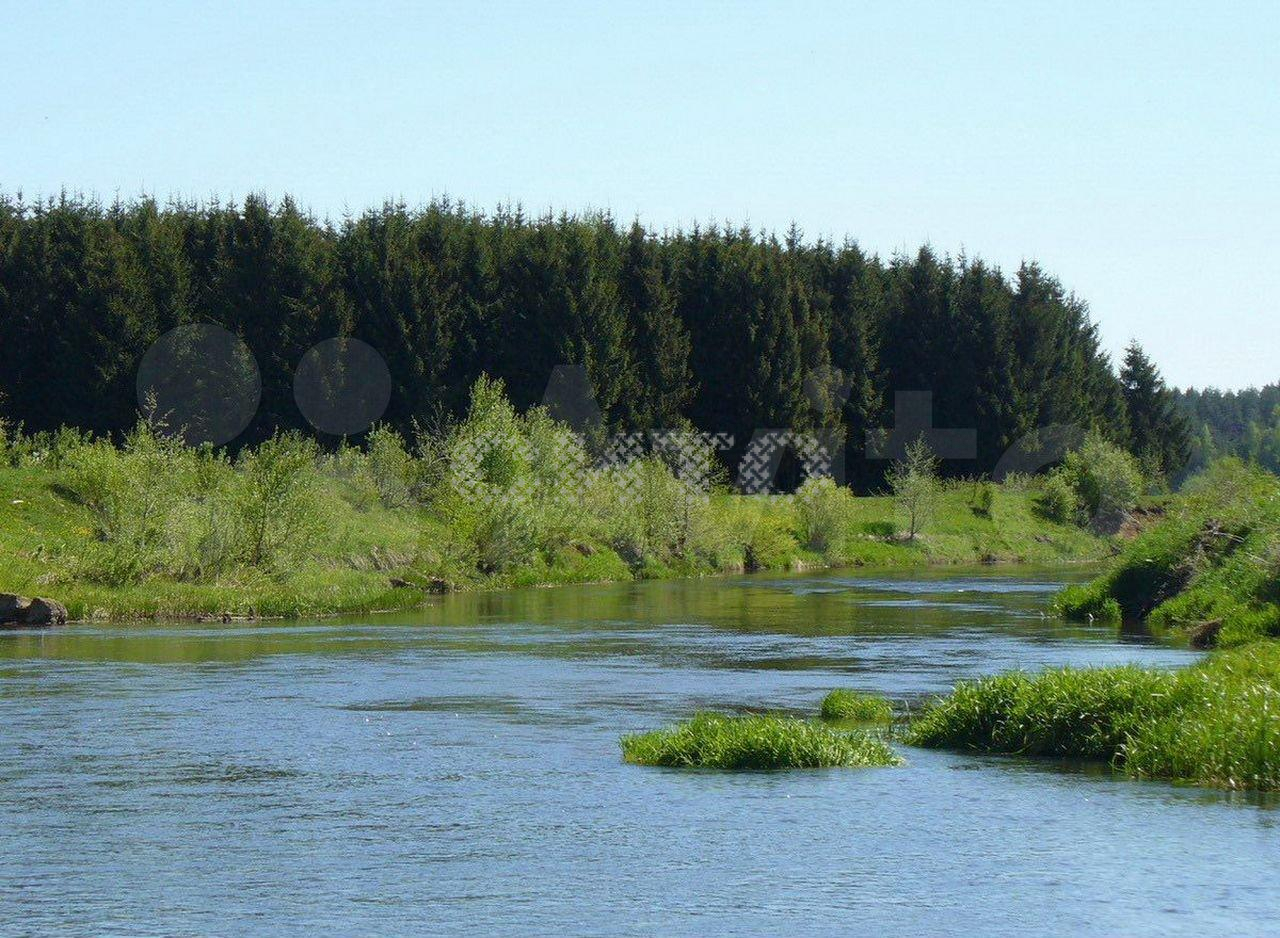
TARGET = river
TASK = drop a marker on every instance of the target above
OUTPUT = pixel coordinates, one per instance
(455, 770)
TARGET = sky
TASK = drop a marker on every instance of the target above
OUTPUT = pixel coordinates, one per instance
(1132, 149)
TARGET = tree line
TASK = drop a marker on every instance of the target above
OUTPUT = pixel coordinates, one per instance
(1245, 424)
(716, 328)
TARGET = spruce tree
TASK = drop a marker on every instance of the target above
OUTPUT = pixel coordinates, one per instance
(1158, 432)
(661, 378)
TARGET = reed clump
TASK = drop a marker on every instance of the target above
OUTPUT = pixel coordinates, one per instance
(1216, 723)
(845, 704)
(716, 741)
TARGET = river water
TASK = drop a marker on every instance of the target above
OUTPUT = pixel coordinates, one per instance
(456, 770)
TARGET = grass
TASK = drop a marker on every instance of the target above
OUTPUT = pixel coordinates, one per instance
(715, 741)
(43, 533)
(1209, 568)
(843, 704)
(1216, 724)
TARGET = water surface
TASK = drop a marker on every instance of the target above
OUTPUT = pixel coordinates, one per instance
(456, 771)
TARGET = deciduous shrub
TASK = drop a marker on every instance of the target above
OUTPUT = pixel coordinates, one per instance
(1106, 479)
(274, 500)
(1058, 501)
(824, 510)
(915, 485)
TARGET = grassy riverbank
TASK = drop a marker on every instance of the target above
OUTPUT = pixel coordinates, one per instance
(1210, 568)
(1217, 723)
(152, 528)
(371, 557)
(1209, 571)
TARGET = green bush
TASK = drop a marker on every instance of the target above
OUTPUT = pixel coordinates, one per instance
(643, 511)
(1106, 479)
(714, 741)
(274, 501)
(1058, 501)
(984, 499)
(513, 486)
(842, 704)
(137, 494)
(769, 544)
(916, 487)
(824, 510)
(1210, 566)
(393, 470)
(349, 466)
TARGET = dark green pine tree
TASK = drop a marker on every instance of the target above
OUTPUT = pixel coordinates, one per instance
(596, 333)
(917, 351)
(1158, 432)
(661, 378)
(983, 393)
(775, 389)
(857, 313)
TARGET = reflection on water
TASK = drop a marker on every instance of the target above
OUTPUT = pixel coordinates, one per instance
(455, 770)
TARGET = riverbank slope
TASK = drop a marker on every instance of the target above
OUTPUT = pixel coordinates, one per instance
(1208, 572)
(368, 556)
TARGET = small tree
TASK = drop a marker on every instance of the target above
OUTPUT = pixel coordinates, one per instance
(915, 485)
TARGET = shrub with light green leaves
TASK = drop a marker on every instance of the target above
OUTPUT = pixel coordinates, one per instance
(824, 510)
(1058, 501)
(1107, 481)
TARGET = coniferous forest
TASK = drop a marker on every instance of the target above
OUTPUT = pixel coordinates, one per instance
(1244, 423)
(719, 328)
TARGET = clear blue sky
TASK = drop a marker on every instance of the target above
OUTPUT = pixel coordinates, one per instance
(1134, 153)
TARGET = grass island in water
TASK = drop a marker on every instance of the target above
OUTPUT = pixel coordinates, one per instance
(715, 741)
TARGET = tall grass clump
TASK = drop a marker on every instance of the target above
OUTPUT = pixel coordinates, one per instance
(714, 741)
(1067, 712)
(1217, 723)
(1227, 730)
(844, 704)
